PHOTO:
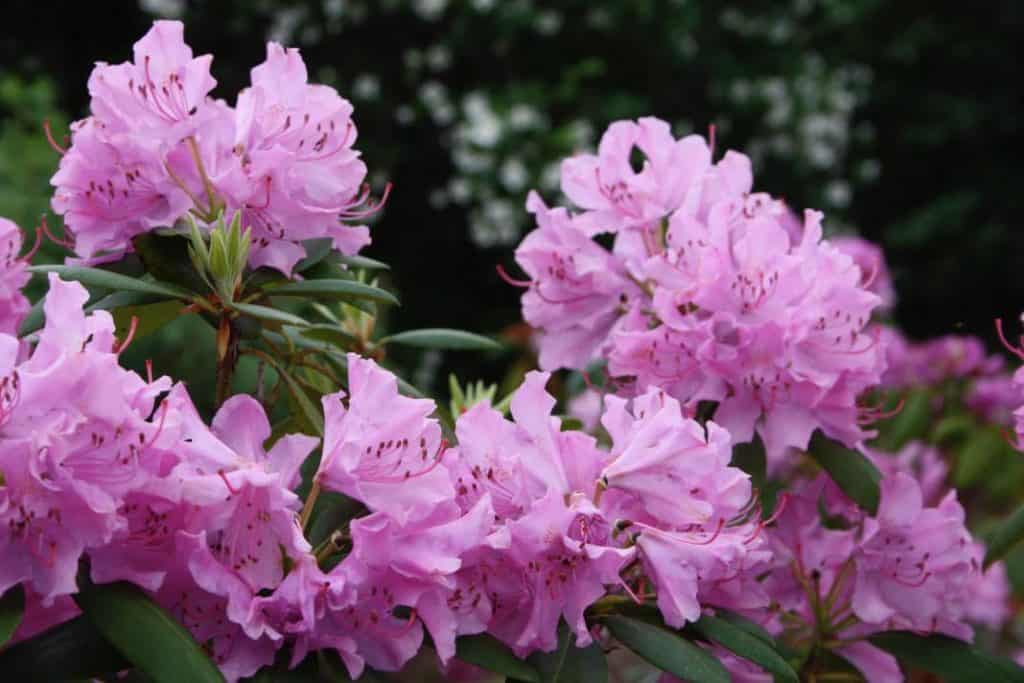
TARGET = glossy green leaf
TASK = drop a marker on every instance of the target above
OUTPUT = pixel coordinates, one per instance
(95, 277)
(12, 609)
(332, 511)
(1006, 536)
(335, 357)
(74, 650)
(363, 262)
(146, 634)
(332, 290)
(310, 412)
(441, 338)
(667, 651)
(910, 423)
(274, 315)
(747, 625)
(317, 250)
(150, 317)
(571, 664)
(166, 258)
(979, 457)
(329, 333)
(742, 643)
(487, 652)
(851, 471)
(953, 660)
(34, 319)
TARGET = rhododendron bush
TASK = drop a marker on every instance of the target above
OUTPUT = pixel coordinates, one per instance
(752, 478)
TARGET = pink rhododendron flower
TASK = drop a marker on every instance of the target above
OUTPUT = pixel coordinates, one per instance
(577, 289)
(554, 569)
(13, 277)
(707, 291)
(382, 448)
(870, 258)
(157, 147)
(679, 471)
(914, 562)
(75, 438)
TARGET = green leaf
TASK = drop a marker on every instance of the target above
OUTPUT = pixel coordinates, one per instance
(166, 258)
(979, 457)
(146, 634)
(667, 651)
(151, 317)
(271, 314)
(331, 334)
(441, 338)
(317, 250)
(332, 290)
(363, 262)
(94, 277)
(953, 660)
(747, 625)
(910, 423)
(851, 471)
(12, 609)
(1009, 534)
(305, 405)
(332, 511)
(571, 664)
(487, 652)
(74, 650)
(742, 643)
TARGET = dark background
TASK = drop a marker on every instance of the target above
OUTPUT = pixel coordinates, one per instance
(900, 120)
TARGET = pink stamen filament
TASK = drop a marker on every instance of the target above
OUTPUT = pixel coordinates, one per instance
(128, 338)
(1015, 350)
(49, 138)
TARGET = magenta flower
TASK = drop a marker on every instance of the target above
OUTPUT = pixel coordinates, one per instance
(157, 147)
(870, 258)
(618, 197)
(552, 568)
(576, 290)
(708, 291)
(294, 143)
(382, 449)
(75, 439)
(679, 472)
(914, 562)
(13, 277)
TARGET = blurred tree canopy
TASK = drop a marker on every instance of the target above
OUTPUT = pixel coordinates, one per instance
(897, 119)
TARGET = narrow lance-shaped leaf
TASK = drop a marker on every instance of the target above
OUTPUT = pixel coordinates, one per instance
(74, 650)
(332, 290)
(146, 634)
(1006, 536)
(309, 411)
(94, 277)
(667, 651)
(742, 643)
(441, 338)
(487, 652)
(571, 664)
(363, 262)
(12, 609)
(953, 660)
(851, 471)
(271, 314)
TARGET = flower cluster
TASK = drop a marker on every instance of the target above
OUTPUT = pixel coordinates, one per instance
(708, 291)
(157, 147)
(517, 527)
(844, 575)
